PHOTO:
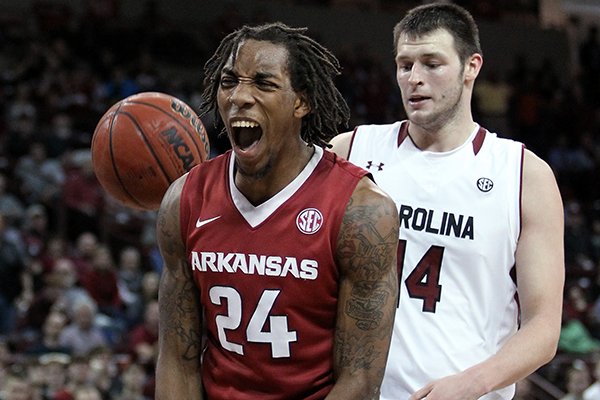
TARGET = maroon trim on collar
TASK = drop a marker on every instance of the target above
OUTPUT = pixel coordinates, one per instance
(351, 142)
(478, 140)
(403, 132)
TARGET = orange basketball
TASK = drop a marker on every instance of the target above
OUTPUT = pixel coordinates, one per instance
(145, 142)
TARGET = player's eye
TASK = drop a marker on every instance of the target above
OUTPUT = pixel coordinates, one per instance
(265, 85)
(405, 67)
(228, 82)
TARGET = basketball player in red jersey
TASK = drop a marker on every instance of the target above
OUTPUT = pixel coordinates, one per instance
(476, 211)
(280, 258)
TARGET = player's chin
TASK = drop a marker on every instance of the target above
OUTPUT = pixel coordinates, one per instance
(249, 152)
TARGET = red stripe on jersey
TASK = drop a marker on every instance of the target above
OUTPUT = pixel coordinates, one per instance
(478, 140)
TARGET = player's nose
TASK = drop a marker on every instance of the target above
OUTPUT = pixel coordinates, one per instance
(416, 74)
(242, 95)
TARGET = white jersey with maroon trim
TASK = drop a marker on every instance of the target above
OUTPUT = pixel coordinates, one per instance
(459, 224)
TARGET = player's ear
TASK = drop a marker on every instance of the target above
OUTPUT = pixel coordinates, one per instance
(301, 106)
(473, 66)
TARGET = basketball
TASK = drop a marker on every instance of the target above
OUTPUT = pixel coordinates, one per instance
(143, 143)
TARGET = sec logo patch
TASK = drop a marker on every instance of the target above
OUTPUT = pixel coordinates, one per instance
(485, 184)
(309, 220)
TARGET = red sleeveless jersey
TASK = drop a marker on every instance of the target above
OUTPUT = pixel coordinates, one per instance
(267, 278)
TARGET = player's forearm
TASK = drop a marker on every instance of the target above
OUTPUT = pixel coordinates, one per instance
(531, 347)
(362, 339)
(355, 388)
(175, 381)
(359, 372)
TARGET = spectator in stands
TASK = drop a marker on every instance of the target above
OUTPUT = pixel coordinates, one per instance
(129, 280)
(78, 376)
(11, 206)
(21, 133)
(82, 335)
(65, 278)
(83, 197)
(104, 370)
(523, 390)
(593, 391)
(49, 341)
(23, 103)
(143, 338)
(61, 137)
(575, 338)
(595, 240)
(578, 379)
(58, 293)
(101, 283)
(54, 367)
(577, 304)
(12, 269)
(577, 233)
(88, 392)
(36, 376)
(6, 358)
(41, 177)
(150, 286)
(35, 231)
(120, 84)
(133, 383)
(83, 253)
(15, 387)
(56, 248)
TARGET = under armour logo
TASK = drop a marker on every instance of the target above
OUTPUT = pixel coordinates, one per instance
(379, 167)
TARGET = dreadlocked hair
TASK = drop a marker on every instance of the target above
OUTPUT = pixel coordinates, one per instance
(312, 70)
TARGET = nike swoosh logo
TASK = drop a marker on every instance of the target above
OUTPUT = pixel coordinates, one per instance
(201, 223)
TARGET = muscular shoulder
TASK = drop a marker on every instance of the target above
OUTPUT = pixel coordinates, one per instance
(168, 222)
(369, 138)
(340, 144)
(539, 182)
(535, 169)
(367, 193)
(370, 222)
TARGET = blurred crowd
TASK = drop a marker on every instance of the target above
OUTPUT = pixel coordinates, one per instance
(79, 272)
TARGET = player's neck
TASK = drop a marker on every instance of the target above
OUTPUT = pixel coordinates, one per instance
(444, 138)
(259, 188)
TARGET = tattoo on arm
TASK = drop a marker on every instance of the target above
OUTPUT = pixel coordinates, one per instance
(365, 304)
(179, 296)
(366, 248)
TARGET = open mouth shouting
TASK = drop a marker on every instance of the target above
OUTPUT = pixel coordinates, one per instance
(245, 134)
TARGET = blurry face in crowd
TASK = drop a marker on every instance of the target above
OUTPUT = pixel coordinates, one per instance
(54, 324)
(17, 389)
(103, 259)
(87, 243)
(130, 260)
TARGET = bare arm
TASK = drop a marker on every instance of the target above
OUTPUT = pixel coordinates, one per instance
(178, 365)
(366, 256)
(540, 278)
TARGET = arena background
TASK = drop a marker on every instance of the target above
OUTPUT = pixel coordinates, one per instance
(63, 63)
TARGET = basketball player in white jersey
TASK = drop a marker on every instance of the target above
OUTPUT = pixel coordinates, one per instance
(481, 228)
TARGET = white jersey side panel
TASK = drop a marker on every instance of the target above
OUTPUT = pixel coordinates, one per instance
(459, 225)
